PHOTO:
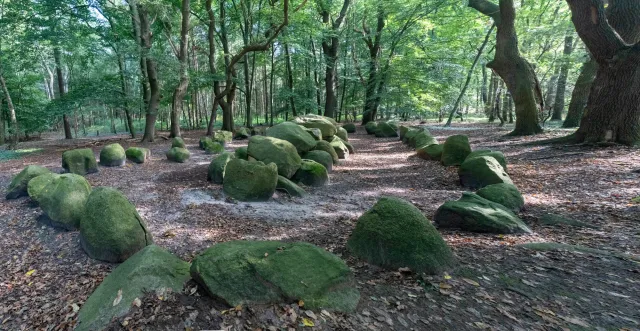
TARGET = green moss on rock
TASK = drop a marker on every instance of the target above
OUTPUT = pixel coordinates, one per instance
(423, 139)
(326, 125)
(177, 154)
(321, 157)
(481, 171)
(430, 152)
(18, 186)
(63, 200)
(395, 234)
(79, 161)
(495, 154)
(241, 153)
(455, 150)
(138, 154)
(36, 185)
(326, 147)
(343, 134)
(350, 127)
(112, 155)
(295, 134)
(214, 147)
(316, 134)
(311, 173)
(290, 187)
(241, 134)
(250, 180)
(217, 167)
(340, 148)
(278, 151)
(223, 136)
(385, 130)
(178, 142)
(505, 194)
(371, 127)
(402, 131)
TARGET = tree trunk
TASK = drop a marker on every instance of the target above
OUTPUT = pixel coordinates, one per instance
(330, 48)
(144, 83)
(315, 79)
(2, 125)
(125, 93)
(211, 31)
(181, 89)
(13, 122)
(61, 91)
(558, 106)
(152, 76)
(550, 97)
(580, 94)
(292, 103)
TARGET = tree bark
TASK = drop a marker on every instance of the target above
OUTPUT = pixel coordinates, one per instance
(61, 91)
(181, 89)
(580, 94)
(144, 83)
(287, 55)
(330, 48)
(125, 94)
(315, 79)
(558, 106)
(13, 122)
(152, 76)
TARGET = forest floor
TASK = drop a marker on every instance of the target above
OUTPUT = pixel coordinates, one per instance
(498, 285)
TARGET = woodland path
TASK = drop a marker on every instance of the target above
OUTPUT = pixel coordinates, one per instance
(497, 285)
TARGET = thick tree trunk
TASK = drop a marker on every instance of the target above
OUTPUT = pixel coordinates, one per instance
(330, 48)
(152, 76)
(181, 89)
(580, 94)
(61, 91)
(558, 106)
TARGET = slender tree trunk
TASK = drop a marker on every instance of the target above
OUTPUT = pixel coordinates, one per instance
(181, 89)
(144, 83)
(558, 106)
(550, 97)
(61, 91)
(13, 122)
(2, 125)
(315, 78)
(125, 93)
(271, 74)
(493, 86)
(292, 103)
(211, 30)
(152, 76)
(580, 94)
(330, 48)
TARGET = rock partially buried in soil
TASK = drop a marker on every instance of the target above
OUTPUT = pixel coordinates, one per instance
(340, 148)
(430, 153)
(371, 127)
(495, 154)
(481, 171)
(18, 186)
(278, 151)
(63, 200)
(137, 154)
(217, 167)
(423, 139)
(385, 130)
(326, 125)
(343, 134)
(177, 154)
(36, 185)
(455, 150)
(250, 180)
(152, 269)
(79, 161)
(111, 229)
(271, 272)
(321, 157)
(290, 188)
(350, 127)
(295, 134)
(311, 173)
(178, 142)
(395, 234)
(112, 155)
(505, 194)
(476, 214)
(326, 147)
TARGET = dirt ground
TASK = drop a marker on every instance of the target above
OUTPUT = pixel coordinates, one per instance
(497, 285)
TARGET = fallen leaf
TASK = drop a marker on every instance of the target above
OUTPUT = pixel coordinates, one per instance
(137, 302)
(307, 322)
(471, 282)
(30, 272)
(118, 298)
(575, 321)
(445, 286)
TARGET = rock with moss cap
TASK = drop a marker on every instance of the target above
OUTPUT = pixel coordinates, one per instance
(423, 139)
(36, 185)
(316, 134)
(204, 141)
(385, 130)
(63, 199)
(411, 133)
(350, 127)
(178, 142)
(273, 272)
(321, 157)
(152, 269)
(217, 167)
(241, 153)
(346, 143)
(112, 155)
(340, 148)
(431, 152)
(18, 186)
(343, 134)
(371, 127)
(79, 161)
(505, 194)
(222, 136)
(311, 173)
(214, 147)
(111, 229)
(250, 180)
(278, 151)
(241, 134)
(177, 154)
(474, 213)
(289, 187)
(481, 171)
(326, 125)
(295, 134)
(402, 131)
(138, 154)
(455, 150)
(494, 154)
(326, 147)
(395, 234)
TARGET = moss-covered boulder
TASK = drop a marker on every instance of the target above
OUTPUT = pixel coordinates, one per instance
(63, 200)
(385, 130)
(430, 152)
(204, 141)
(423, 139)
(455, 150)
(152, 269)
(505, 194)
(270, 272)
(241, 134)
(18, 186)
(350, 127)
(316, 134)
(217, 167)
(393, 124)
(111, 229)
(395, 234)
(250, 180)
(112, 155)
(289, 187)
(411, 133)
(138, 154)
(326, 125)
(476, 214)
(343, 134)
(311, 173)
(371, 127)
(177, 154)
(278, 151)
(481, 171)
(214, 147)
(494, 154)
(295, 134)
(178, 142)
(222, 136)
(241, 153)
(340, 148)
(36, 186)
(326, 147)
(321, 157)
(79, 161)
(402, 131)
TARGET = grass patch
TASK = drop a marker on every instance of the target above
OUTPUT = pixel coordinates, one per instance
(8, 155)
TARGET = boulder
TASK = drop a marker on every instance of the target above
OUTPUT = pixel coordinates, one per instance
(250, 180)
(222, 136)
(430, 152)
(217, 167)
(316, 134)
(481, 171)
(241, 153)
(343, 134)
(278, 151)
(346, 143)
(350, 127)
(393, 124)
(18, 186)
(395, 234)
(408, 137)
(371, 127)
(111, 229)
(112, 155)
(178, 142)
(177, 154)
(423, 139)
(455, 150)
(326, 147)
(214, 147)
(340, 148)
(63, 200)
(259, 131)
(384, 130)
(79, 161)
(273, 272)
(241, 134)
(152, 269)
(138, 154)
(290, 187)
(494, 154)
(326, 125)
(295, 134)
(311, 173)
(402, 131)
(321, 157)
(476, 214)
(204, 141)
(505, 194)
(36, 185)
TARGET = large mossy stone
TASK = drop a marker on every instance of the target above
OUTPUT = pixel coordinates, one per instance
(418, 133)
(393, 124)
(402, 131)
(112, 155)
(411, 133)
(350, 127)
(241, 134)
(321, 157)
(311, 173)
(326, 125)
(505, 194)
(217, 167)
(204, 141)
(271, 272)
(250, 180)
(111, 229)
(241, 153)
(326, 147)
(36, 186)
(152, 269)
(178, 142)
(481, 171)
(455, 150)
(423, 139)
(395, 234)
(138, 154)
(223, 136)
(316, 134)
(214, 147)
(385, 130)
(177, 154)
(340, 148)
(79, 161)
(295, 134)
(278, 151)
(494, 154)
(371, 127)
(343, 134)
(63, 200)
(474, 213)
(18, 186)
(291, 188)
(430, 152)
